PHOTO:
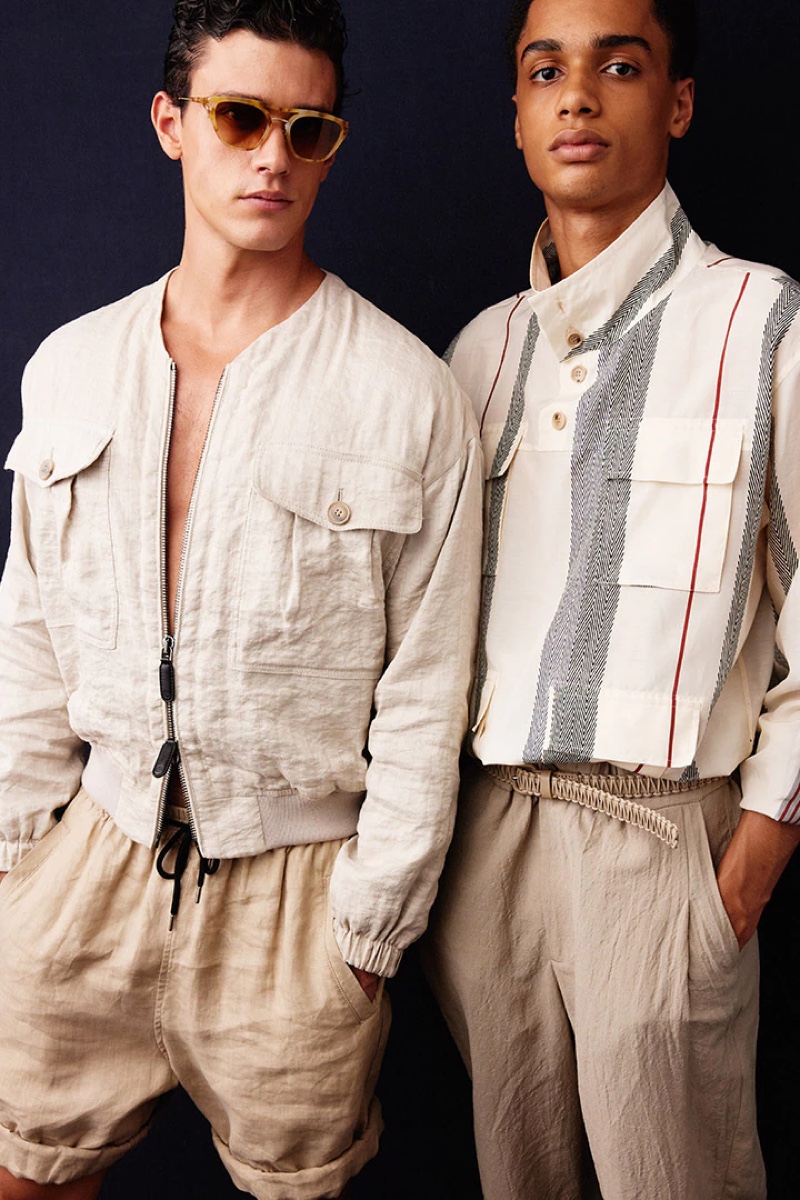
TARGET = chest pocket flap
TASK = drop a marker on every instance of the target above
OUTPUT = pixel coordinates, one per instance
(676, 450)
(499, 447)
(46, 452)
(340, 491)
(679, 512)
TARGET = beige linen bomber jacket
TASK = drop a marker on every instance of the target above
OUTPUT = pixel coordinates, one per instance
(325, 622)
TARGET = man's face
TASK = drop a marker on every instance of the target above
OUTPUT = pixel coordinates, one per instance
(596, 107)
(253, 200)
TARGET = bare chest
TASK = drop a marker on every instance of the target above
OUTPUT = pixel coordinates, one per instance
(193, 405)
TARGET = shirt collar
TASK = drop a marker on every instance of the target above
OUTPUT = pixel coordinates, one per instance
(572, 309)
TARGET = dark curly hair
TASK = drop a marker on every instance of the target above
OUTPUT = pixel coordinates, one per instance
(313, 24)
(678, 19)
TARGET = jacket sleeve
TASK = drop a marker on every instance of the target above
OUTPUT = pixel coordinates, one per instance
(386, 877)
(40, 756)
(771, 777)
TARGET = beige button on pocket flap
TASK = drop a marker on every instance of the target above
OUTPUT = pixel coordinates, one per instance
(337, 490)
(677, 449)
(48, 451)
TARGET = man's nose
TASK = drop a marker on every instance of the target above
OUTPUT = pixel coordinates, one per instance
(578, 94)
(273, 154)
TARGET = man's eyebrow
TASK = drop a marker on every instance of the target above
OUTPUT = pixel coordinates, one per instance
(545, 45)
(608, 41)
(613, 41)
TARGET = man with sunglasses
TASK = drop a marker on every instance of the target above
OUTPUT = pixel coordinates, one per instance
(236, 630)
(639, 668)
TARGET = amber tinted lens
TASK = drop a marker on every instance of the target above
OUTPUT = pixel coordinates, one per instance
(313, 138)
(240, 124)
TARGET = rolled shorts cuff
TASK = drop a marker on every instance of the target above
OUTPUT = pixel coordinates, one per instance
(45, 1163)
(313, 1183)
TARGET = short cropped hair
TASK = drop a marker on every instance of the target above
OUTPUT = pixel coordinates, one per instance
(312, 24)
(678, 19)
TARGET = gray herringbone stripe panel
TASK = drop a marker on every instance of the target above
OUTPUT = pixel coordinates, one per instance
(780, 318)
(781, 546)
(497, 500)
(451, 349)
(576, 649)
(586, 471)
(517, 408)
(647, 286)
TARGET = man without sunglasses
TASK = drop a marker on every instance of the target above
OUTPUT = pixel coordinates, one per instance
(243, 572)
(639, 664)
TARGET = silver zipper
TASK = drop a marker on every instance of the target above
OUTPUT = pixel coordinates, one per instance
(169, 757)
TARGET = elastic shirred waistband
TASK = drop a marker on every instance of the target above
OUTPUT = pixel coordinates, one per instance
(615, 795)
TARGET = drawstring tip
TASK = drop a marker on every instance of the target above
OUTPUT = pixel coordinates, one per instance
(171, 922)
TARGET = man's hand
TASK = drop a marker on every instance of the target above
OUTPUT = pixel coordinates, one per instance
(368, 981)
(3, 875)
(750, 868)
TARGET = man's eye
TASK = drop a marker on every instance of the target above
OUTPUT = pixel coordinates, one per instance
(622, 70)
(545, 74)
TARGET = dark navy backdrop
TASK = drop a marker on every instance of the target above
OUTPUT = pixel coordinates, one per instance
(430, 214)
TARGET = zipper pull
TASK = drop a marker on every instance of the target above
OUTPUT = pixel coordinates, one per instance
(166, 671)
(167, 757)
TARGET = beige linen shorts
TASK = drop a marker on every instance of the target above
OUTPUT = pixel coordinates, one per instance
(247, 1003)
(592, 980)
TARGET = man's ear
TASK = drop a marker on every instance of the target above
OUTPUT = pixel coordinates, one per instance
(517, 134)
(684, 108)
(166, 117)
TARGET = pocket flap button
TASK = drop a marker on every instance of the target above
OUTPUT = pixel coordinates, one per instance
(46, 468)
(339, 513)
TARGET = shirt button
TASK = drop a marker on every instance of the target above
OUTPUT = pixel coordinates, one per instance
(46, 468)
(559, 421)
(579, 374)
(339, 513)
(574, 339)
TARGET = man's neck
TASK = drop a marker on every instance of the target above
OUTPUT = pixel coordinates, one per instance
(581, 234)
(229, 300)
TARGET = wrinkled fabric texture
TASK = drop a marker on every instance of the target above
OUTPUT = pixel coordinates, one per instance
(247, 1003)
(593, 983)
(325, 632)
(640, 421)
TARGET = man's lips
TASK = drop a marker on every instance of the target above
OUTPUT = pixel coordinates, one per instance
(268, 200)
(578, 145)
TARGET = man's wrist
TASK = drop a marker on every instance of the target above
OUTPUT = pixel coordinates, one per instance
(754, 862)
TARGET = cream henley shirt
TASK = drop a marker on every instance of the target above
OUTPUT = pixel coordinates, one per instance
(641, 434)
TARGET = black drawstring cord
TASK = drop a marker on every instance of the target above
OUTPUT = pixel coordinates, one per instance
(181, 841)
(208, 866)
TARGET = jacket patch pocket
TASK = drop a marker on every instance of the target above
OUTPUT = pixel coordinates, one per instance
(679, 512)
(66, 465)
(323, 530)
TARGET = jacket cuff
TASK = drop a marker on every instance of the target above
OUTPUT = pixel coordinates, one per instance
(12, 853)
(382, 958)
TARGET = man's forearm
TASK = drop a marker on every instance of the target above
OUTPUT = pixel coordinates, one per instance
(752, 865)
